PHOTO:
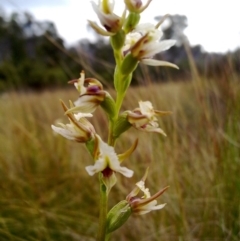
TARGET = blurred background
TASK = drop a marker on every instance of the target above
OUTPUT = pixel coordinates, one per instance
(49, 40)
(45, 192)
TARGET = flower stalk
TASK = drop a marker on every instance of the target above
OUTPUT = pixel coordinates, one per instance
(103, 209)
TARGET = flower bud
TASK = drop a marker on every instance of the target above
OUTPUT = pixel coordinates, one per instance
(131, 21)
(118, 215)
(108, 105)
(129, 64)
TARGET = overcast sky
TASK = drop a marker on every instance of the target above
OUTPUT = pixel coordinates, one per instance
(215, 24)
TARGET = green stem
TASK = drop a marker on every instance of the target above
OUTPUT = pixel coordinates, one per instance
(111, 139)
(118, 57)
(101, 235)
(119, 101)
(121, 92)
(107, 237)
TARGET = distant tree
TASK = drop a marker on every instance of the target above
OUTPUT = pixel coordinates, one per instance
(33, 52)
(173, 28)
(16, 39)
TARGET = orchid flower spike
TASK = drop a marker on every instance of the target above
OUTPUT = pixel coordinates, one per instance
(79, 129)
(144, 117)
(146, 203)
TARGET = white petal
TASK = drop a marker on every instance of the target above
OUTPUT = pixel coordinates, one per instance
(80, 115)
(146, 108)
(154, 62)
(149, 207)
(99, 30)
(114, 164)
(64, 132)
(141, 186)
(144, 27)
(125, 171)
(153, 47)
(154, 129)
(99, 166)
(85, 104)
(166, 44)
(155, 35)
(160, 206)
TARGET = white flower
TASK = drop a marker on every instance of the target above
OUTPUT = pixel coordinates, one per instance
(88, 103)
(144, 42)
(130, 40)
(110, 21)
(107, 160)
(90, 96)
(144, 117)
(79, 129)
(146, 203)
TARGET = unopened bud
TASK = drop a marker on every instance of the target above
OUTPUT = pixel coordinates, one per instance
(118, 215)
(108, 105)
(129, 64)
(131, 21)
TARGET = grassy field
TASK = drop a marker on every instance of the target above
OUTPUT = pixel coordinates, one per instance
(46, 194)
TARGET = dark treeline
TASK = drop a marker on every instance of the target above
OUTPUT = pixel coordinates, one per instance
(33, 56)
